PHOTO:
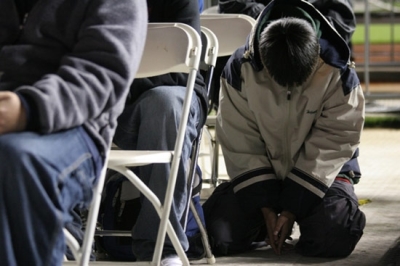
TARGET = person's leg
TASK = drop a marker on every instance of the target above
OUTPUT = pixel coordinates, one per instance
(335, 226)
(42, 178)
(151, 123)
(230, 228)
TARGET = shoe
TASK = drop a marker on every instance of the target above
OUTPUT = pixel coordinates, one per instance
(172, 260)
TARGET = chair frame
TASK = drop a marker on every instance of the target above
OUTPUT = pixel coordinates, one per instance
(161, 41)
(207, 64)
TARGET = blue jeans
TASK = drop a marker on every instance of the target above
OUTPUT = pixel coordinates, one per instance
(151, 123)
(42, 179)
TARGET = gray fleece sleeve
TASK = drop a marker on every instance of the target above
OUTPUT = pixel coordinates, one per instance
(92, 80)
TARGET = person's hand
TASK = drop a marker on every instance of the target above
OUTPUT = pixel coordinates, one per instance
(279, 229)
(283, 229)
(12, 113)
(270, 218)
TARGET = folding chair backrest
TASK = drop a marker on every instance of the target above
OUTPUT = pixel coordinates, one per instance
(209, 54)
(231, 30)
(210, 47)
(211, 10)
(177, 56)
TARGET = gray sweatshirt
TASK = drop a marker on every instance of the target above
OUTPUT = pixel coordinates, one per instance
(71, 62)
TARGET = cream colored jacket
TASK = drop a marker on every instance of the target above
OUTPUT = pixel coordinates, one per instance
(283, 147)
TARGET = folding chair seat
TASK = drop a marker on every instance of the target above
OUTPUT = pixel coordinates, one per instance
(232, 31)
(172, 56)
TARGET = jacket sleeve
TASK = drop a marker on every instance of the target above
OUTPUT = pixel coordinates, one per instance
(331, 143)
(94, 77)
(248, 7)
(340, 14)
(254, 181)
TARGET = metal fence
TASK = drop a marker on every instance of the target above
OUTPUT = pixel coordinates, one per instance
(389, 12)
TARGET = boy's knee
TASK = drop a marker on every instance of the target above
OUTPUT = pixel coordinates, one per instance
(335, 226)
(339, 242)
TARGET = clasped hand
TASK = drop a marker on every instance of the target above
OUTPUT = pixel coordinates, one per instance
(12, 113)
(279, 228)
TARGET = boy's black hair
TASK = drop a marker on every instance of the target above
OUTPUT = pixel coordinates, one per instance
(289, 50)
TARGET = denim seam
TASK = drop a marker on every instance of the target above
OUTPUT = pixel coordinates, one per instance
(74, 166)
(62, 177)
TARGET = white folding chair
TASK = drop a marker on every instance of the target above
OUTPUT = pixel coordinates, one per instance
(171, 56)
(207, 63)
(232, 31)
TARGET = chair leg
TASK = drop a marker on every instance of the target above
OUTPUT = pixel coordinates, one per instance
(204, 236)
(191, 176)
(214, 167)
(74, 246)
(158, 207)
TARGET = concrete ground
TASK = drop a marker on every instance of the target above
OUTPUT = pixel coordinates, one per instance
(379, 188)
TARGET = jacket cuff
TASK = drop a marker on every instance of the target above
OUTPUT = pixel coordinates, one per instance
(298, 199)
(351, 168)
(256, 189)
(31, 112)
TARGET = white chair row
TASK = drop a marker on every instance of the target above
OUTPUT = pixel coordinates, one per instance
(172, 56)
(224, 33)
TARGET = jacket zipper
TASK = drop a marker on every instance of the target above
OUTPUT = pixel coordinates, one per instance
(289, 94)
(21, 27)
(287, 135)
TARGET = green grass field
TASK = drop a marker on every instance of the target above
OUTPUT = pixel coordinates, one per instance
(382, 122)
(379, 33)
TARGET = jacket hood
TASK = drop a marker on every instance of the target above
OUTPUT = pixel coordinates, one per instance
(334, 49)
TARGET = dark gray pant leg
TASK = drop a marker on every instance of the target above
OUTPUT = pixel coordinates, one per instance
(335, 226)
(230, 229)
